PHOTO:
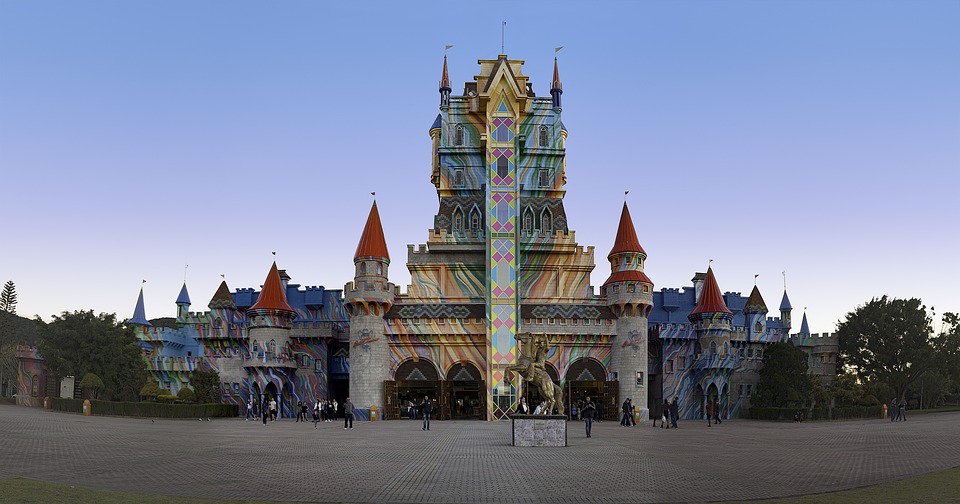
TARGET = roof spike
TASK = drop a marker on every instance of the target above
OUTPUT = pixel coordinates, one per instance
(184, 297)
(785, 302)
(139, 314)
(445, 77)
(711, 301)
(372, 243)
(222, 298)
(272, 295)
(556, 88)
(804, 327)
(626, 240)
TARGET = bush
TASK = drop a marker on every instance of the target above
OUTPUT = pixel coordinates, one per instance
(186, 395)
(93, 383)
(166, 397)
(150, 391)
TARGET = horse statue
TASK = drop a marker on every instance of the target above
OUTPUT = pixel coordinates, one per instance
(533, 369)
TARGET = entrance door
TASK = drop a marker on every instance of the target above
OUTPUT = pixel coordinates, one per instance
(391, 400)
(467, 393)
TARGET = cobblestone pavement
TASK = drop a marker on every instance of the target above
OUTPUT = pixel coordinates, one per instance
(461, 462)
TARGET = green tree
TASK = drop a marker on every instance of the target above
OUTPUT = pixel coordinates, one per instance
(888, 340)
(186, 395)
(93, 384)
(80, 342)
(206, 386)
(8, 298)
(783, 379)
(150, 391)
(947, 345)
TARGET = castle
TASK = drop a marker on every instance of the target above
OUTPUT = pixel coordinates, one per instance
(498, 260)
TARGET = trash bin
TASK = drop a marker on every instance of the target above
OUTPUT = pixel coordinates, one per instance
(373, 413)
(86, 407)
(883, 411)
(47, 403)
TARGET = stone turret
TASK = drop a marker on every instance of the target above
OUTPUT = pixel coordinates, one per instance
(712, 319)
(367, 299)
(271, 318)
(629, 293)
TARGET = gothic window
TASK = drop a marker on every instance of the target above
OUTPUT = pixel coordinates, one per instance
(363, 268)
(545, 221)
(475, 219)
(528, 220)
(543, 136)
(458, 137)
(458, 220)
(503, 167)
(544, 178)
(458, 178)
(713, 348)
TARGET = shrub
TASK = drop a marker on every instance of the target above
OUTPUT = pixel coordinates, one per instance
(166, 397)
(147, 409)
(186, 395)
(150, 391)
(93, 383)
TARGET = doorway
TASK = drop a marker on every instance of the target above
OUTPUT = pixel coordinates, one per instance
(467, 392)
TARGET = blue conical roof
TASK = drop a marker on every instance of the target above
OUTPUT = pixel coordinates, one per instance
(183, 298)
(804, 328)
(437, 122)
(139, 315)
(785, 303)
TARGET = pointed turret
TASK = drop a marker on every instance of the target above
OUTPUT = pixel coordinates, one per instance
(786, 320)
(626, 240)
(556, 89)
(755, 302)
(272, 296)
(183, 302)
(711, 301)
(445, 86)
(804, 328)
(372, 244)
(627, 256)
(222, 298)
(139, 314)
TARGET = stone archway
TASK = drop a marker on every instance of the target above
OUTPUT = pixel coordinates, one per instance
(467, 391)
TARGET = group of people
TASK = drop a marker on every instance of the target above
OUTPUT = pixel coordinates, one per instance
(670, 413)
(627, 414)
(323, 411)
(898, 411)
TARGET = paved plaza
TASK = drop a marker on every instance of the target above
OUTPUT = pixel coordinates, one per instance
(461, 462)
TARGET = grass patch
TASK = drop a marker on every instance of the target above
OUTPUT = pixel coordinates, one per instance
(933, 488)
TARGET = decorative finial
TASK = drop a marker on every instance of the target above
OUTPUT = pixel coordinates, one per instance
(185, 266)
(274, 253)
(502, 28)
(784, 273)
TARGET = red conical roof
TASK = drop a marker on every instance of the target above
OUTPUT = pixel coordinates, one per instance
(626, 236)
(372, 243)
(444, 79)
(710, 299)
(272, 297)
(556, 75)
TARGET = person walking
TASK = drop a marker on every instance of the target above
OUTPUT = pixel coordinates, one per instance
(894, 412)
(250, 412)
(588, 409)
(709, 411)
(666, 414)
(348, 413)
(625, 413)
(273, 410)
(674, 412)
(633, 413)
(425, 407)
(902, 412)
(716, 411)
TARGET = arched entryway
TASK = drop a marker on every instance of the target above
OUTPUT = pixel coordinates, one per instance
(414, 380)
(467, 392)
(587, 378)
(270, 392)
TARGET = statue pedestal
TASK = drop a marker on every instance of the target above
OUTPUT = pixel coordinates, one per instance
(539, 430)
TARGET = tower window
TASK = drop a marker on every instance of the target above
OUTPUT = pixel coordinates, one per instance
(545, 224)
(458, 136)
(543, 136)
(458, 221)
(458, 178)
(503, 167)
(544, 178)
(475, 219)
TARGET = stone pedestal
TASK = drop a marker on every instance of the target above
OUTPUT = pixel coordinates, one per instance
(539, 430)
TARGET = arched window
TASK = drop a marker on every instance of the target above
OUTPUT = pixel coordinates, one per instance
(363, 268)
(528, 220)
(475, 219)
(35, 386)
(543, 136)
(379, 268)
(458, 220)
(546, 224)
(458, 137)
(713, 348)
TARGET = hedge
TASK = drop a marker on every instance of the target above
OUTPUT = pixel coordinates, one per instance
(147, 409)
(838, 413)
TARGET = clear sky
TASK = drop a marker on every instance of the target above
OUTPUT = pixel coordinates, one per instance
(820, 138)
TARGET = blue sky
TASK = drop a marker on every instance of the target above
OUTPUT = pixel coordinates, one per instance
(820, 138)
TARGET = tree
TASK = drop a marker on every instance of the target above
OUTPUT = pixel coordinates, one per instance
(93, 383)
(947, 345)
(206, 386)
(888, 340)
(77, 343)
(8, 298)
(783, 379)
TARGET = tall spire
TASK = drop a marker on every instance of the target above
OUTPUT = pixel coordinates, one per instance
(556, 88)
(139, 314)
(626, 236)
(272, 296)
(711, 301)
(785, 302)
(183, 298)
(445, 86)
(372, 243)
(804, 328)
